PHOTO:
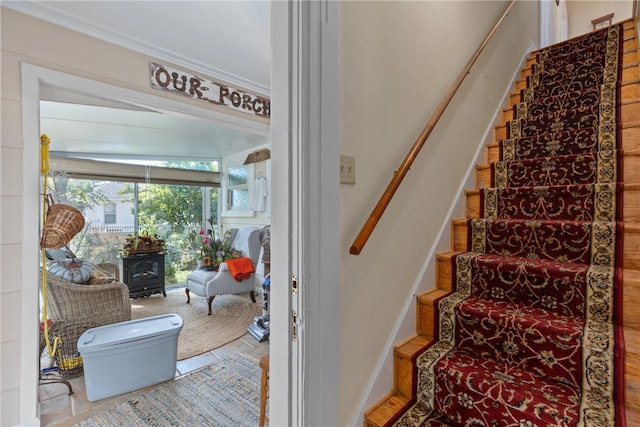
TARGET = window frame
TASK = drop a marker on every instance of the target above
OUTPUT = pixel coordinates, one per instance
(227, 211)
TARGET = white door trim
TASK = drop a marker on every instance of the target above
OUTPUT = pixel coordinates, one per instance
(305, 128)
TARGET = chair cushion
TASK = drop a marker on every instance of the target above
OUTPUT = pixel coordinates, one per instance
(201, 277)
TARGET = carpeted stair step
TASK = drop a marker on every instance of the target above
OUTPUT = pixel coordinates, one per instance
(558, 287)
(565, 101)
(587, 168)
(551, 144)
(570, 84)
(543, 342)
(568, 58)
(578, 118)
(593, 41)
(482, 392)
(576, 59)
(567, 241)
(551, 75)
(559, 202)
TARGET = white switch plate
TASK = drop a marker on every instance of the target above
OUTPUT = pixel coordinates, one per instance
(347, 170)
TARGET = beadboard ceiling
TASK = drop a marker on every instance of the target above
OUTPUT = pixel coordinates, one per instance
(224, 40)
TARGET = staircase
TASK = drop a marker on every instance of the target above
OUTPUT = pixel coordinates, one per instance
(482, 354)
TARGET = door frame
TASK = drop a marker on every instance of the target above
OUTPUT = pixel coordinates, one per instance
(32, 78)
(305, 134)
(305, 218)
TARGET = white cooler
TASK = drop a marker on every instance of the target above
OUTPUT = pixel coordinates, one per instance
(127, 356)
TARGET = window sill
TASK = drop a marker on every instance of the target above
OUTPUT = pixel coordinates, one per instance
(238, 214)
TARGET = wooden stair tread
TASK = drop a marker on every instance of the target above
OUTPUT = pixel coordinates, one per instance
(411, 346)
(385, 410)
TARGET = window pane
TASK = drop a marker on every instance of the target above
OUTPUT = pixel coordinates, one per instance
(238, 199)
(238, 176)
(109, 213)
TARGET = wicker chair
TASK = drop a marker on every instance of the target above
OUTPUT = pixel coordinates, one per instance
(100, 304)
(74, 308)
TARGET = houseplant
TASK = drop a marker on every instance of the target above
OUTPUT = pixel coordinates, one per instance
(143, 243)
(214, 250)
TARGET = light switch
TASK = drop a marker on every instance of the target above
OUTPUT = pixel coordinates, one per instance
(347, 170)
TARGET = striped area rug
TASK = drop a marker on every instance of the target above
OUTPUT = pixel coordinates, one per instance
(223, 394)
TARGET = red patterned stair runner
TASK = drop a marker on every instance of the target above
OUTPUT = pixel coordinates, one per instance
(528, 337)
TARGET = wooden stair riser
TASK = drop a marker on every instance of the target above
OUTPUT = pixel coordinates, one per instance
(631, 137)
(493, 152)
(630, 72)
(630, 258)
(631, 203)
(631, 167)
(459, 235)
(631, 294)
(426, 307)
(472, 203)
(444, 271)
(632, 367)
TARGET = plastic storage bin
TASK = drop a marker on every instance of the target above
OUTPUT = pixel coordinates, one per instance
(127, 356)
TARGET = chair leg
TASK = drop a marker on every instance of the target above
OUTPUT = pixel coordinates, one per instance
(209, 301)
(186, 290)
(252, 294)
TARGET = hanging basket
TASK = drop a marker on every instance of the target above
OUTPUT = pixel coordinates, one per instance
(61, 224)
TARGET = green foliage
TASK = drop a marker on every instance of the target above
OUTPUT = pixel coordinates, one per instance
(173, 212)
(79, 193)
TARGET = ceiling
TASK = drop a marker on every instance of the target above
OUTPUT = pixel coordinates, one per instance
(226, 41)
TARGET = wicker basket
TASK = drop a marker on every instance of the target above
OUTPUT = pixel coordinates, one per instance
(61, 224)
(68, 359)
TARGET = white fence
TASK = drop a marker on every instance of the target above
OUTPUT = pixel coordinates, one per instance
(111, 228)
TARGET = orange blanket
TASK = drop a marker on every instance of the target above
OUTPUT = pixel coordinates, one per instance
(240, 268)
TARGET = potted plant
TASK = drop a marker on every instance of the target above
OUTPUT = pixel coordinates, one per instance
(143, 243)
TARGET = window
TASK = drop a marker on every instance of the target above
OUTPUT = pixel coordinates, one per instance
(110, 213)
(238, 188)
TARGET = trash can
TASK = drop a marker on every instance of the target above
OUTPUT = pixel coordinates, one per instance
(127, 356)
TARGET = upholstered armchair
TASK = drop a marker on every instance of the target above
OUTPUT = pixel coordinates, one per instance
(208, 284)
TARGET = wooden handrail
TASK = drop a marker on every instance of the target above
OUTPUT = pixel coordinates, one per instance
(399, 175)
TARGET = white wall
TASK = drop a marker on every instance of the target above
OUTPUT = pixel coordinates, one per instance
(392, 78)
(250, 217)
(231, 219)
(581, 12)
(29, 40)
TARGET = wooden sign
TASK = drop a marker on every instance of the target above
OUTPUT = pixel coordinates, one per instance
(186, 84)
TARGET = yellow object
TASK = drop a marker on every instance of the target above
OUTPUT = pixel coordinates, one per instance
(69, 362)
(44, 169)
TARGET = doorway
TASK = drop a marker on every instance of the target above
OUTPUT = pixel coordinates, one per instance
(33, 79)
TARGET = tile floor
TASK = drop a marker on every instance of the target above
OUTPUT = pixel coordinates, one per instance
(59, 409)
